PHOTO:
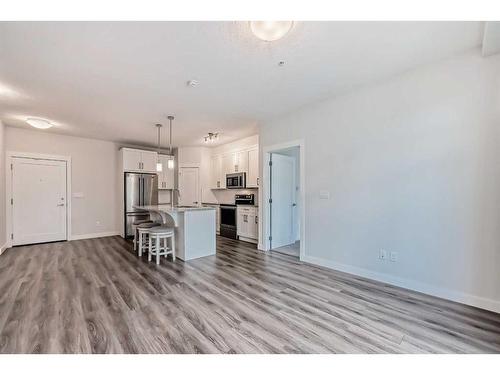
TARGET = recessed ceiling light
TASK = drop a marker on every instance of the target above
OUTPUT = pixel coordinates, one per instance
(39, 123)
(193, 83)
(270, 30)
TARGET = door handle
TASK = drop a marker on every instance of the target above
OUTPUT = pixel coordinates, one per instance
(60, 205)
(294, 204)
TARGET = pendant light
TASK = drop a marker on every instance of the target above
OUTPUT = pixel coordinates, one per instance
(170, 162)
(159, 165)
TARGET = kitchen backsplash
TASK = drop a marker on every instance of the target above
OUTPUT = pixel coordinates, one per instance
(227, 196)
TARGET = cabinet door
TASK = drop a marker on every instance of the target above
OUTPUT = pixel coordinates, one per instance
(227, 166)
(254, 231)
(239, 224)
(217, 178)
(168, 174)
(149, 160)
(253, 168)
(241, 161)
(132, 160)
(165, 177)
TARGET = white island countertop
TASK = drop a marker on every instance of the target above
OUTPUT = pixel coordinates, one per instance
(194, 228)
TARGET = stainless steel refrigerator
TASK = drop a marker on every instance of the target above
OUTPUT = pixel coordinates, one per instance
(141, 189)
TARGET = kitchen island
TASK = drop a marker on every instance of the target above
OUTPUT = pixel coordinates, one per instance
(194, 228)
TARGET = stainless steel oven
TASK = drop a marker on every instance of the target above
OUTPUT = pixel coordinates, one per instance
(236, 181)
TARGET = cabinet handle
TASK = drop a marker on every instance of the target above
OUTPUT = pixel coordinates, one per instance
(245, 218)
(256, 219)
(257, 181)
(218, 183)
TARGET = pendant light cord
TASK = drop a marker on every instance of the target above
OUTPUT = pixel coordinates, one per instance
(170, 118)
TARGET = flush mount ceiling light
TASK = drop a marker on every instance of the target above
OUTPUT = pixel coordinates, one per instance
(211, 137)
(270, 30)
(193, 83)
(39, 123)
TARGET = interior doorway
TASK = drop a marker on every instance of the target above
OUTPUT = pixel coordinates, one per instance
(284, 213)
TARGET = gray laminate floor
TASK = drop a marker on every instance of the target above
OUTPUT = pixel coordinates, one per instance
(292, 250)
(96, 296)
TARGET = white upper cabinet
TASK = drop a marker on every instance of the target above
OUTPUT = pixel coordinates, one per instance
(149, 160)
(166, 176)
(217, 177)
(241, 162)
(246, 160)
(253, 168)
(131, 160)
(227, 162)
(139, 160)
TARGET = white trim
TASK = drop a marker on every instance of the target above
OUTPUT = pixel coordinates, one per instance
(3, 248)
(77, 237)
(448, 294)
(264, 194)
(8, 188)
(236, 149)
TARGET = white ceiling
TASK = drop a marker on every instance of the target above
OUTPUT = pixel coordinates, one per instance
(115, 80)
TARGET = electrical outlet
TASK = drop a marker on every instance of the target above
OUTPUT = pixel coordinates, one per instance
(382, 255)
(393, 256)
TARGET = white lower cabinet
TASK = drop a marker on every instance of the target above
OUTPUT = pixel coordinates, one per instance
(247, 223)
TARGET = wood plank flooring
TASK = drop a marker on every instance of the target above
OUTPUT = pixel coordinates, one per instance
(97, 296)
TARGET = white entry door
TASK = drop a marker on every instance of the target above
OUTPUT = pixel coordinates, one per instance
(282, 206)
(189, 190)
(39, 201)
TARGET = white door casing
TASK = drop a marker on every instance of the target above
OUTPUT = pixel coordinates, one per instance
(189, 191)
(39, 200)
(282, 206)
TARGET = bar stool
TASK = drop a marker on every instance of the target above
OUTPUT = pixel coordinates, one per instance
(142, 230)
(156, 235)
(134, 227)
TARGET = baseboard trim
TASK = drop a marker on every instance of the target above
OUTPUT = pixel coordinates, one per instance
(93, 235)
(3, 248)
(466, 299)
(249, 240)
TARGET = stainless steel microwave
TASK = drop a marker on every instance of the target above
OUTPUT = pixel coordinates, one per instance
(236, 181)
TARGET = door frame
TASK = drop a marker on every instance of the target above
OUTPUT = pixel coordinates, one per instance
(266, 189)
(9, 155)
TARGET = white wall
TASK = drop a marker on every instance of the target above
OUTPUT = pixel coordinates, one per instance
(94, 166)
(413, 166)
(3, 236)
